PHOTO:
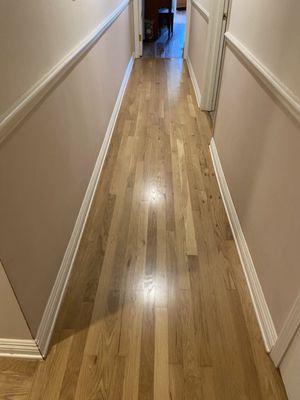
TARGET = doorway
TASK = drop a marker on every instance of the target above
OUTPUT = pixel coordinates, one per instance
(152, 40)
(164, 28)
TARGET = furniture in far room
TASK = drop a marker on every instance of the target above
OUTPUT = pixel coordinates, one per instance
(166, 17)
(154, 18)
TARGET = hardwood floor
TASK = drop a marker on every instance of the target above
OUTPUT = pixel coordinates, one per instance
(157, 306)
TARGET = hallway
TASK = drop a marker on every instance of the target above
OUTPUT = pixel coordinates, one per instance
(157, 306)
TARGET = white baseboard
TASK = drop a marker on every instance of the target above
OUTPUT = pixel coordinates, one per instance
(54, 303)
(194, 81)
(260, 305)
(287, 333)
(19, 348)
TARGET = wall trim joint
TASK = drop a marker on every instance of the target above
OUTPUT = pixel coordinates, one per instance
(19, 348)
(287, 333)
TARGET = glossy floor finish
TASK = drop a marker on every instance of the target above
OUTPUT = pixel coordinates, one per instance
(165, 47)
(157, 307)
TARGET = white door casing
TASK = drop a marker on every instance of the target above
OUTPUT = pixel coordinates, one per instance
(138, 20)
(187, 30)
(213, 53)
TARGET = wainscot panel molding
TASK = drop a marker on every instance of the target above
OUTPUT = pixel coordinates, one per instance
(284, 95)
(57, 294)
(19, 348)
(10, 119)
(287, 333)
(194, 81)
(260, 305)
(201, 9)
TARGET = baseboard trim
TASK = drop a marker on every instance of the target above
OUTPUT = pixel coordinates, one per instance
(201, 9)
(194, 81)
(19, 348)
(287, 333)
(57, 294)
(263, 315)
(287, 99)
(12, 117)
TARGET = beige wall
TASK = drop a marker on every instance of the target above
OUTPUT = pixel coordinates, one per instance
(197, 45)
(35, 35)
(259, 145)
(270, 30)
(13, 324)
(47, 162)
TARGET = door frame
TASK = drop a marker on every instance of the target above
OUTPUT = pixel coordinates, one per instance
(187, 29)
(218, 18)
(138, 28)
